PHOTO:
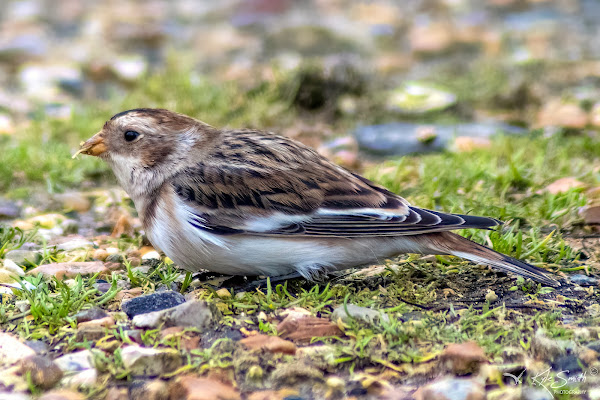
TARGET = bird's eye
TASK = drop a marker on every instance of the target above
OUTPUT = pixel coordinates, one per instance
(130, 136)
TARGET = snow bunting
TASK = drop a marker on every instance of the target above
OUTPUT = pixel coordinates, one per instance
(246, 202)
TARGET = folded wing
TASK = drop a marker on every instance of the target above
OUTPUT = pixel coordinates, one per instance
(279, 187)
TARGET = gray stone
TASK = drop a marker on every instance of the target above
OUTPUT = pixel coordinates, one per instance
(23, 257)
(9, 209)
(408, 138)
(152, 302)
(357, 312)
(38, 346)
(90, 314)
(143, 361)
(567, 362)
(595, 345)
(545, 348)
(115, 258)
(196, 313)
(583, 280)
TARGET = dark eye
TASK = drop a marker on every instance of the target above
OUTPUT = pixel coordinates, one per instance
(130, 136)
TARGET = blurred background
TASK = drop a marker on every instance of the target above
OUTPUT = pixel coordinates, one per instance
(361, 81)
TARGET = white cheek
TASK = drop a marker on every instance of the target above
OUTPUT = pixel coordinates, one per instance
(124, 168)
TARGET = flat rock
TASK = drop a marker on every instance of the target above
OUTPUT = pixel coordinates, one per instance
(143, 361)
(345, 313)
(70, 269)
(195, 313)
(152, 302)
(12, 350)
(44, 373)
(463, 358)
(451, 389)
(305, 328)
(272, 344)
(190, 387)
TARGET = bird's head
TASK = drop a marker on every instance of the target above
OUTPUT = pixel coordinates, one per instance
(143, 145)
(143, 137)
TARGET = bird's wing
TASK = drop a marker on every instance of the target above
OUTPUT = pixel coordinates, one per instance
(273, 186)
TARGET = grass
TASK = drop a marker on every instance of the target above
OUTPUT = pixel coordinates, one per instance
(430, 301)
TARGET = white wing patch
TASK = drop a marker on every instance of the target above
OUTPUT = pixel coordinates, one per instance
(273, 222)
(382, 214)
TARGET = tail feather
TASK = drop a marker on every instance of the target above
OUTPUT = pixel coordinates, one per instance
(451, 243)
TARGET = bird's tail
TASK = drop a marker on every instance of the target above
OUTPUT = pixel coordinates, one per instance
(451, 243)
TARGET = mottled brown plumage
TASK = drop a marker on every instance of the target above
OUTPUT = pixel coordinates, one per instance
(252, 202)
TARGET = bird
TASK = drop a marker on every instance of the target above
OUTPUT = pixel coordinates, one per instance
(254, 203)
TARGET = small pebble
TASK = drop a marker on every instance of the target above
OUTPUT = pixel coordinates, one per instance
(491, 296)
(152, 302)
(100, 254)
(224, 293)
(114, 258)
(43, 371)
(151, 255)
(583, 280)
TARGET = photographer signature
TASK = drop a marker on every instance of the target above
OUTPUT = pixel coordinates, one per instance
(556, 383)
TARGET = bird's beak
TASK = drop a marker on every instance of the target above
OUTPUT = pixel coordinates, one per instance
(94, 146)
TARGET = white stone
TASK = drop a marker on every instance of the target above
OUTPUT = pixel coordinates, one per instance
(12, 267)
(129, 69)
(151, 255)
(12, 349)
(78, 361)
(74, 244)
(86, 378)
(354, 311)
